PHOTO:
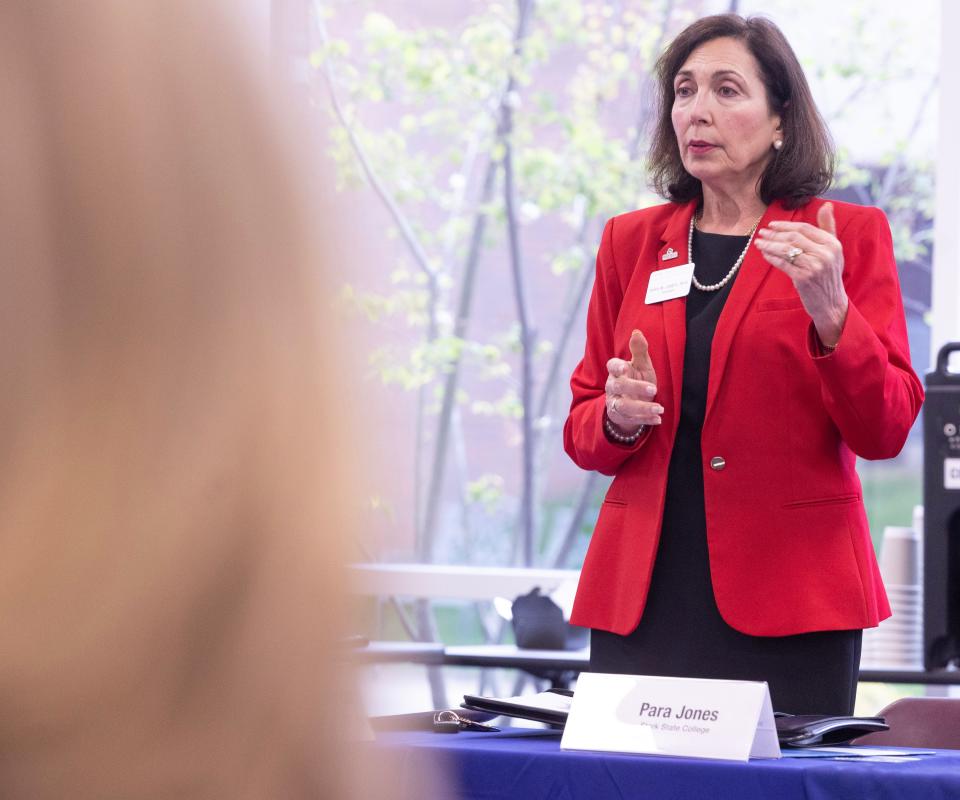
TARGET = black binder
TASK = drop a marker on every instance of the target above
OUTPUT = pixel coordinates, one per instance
(544, 707)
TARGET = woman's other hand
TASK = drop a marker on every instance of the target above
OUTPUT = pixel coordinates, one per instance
(631, 387)
(812, 257)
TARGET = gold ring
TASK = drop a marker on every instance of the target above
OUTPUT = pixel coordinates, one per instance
(792, 253)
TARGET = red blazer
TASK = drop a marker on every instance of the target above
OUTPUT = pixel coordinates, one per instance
(787, 534)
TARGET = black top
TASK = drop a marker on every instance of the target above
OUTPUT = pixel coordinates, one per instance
(681, 632)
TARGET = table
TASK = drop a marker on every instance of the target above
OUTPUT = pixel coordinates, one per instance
(526, 764)
(562, 665)
(430, 653)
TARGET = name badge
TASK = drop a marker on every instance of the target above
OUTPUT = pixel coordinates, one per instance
(731, 720)
(666, 284)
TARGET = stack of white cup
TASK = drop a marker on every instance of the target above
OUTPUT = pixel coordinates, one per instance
(898, 642)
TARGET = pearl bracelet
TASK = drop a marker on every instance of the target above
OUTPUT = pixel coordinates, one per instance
(618, 437)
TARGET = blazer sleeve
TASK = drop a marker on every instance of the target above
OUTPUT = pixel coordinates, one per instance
(867, 384)
(583, 435)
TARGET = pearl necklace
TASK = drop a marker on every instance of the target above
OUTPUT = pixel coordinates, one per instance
(736, 264)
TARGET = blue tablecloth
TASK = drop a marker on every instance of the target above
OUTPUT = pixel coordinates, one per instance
(518, 764)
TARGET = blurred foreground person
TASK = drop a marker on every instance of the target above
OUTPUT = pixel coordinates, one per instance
(169, 591)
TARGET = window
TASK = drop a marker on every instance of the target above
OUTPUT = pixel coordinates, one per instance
(479, 152)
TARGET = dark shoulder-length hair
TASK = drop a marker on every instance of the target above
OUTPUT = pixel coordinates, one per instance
(802, 168)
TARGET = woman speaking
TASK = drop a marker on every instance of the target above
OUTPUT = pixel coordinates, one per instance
(745, 343)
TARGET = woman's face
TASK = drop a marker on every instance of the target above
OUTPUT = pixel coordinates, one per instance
(721, 117)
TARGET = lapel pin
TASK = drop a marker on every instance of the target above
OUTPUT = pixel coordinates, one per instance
(671, 253)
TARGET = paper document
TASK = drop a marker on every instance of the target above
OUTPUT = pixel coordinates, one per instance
(853, 751)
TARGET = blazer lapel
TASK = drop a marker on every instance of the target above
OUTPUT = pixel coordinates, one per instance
(753, 272)
(675, 240)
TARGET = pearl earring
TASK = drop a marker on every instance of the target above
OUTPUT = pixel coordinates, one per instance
(777, 144)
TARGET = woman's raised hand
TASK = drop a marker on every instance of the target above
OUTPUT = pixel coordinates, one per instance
(812, 257)
(631, 387)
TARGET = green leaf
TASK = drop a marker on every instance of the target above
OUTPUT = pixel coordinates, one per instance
(486, 491)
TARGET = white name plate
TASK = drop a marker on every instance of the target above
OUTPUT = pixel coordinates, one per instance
(667, 284)
(731, 720)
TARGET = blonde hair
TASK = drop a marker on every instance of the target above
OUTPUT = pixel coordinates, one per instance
(170, 521)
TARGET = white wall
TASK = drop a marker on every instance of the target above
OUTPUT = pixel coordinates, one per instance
(945, 312)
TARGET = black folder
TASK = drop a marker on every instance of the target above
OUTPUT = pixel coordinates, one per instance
(814, 730)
